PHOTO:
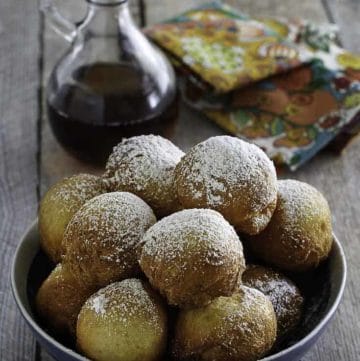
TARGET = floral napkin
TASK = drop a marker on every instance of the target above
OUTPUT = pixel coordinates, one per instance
(284, 85)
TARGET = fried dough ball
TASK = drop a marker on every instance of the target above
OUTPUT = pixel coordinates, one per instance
(299, 235)
(125, 321)
(241, 327)
(192, 257)
(101, 239)
(231, 176)
(284, 295)
(59, 205)
(59, 301)
(144, 165)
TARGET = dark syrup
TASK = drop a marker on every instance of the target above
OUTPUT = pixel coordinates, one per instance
(105, 103)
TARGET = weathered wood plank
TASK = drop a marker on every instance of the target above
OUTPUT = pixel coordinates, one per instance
(307, 9)
(158, 10)
(346, 14)
(19, 82)
(336, 177)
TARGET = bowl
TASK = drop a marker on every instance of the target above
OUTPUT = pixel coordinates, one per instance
(324, 298)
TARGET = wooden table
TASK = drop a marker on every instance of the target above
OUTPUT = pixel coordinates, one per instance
(31, 160)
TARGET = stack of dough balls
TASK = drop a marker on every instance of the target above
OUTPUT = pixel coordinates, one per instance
(119, 272)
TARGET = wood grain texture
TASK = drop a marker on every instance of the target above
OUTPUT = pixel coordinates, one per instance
(19, 52)
(346, 13)
(336, 177)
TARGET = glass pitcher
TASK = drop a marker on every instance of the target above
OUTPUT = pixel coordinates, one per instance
(111, 83)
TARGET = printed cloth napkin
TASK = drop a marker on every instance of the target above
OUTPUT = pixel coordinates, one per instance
(282, 84)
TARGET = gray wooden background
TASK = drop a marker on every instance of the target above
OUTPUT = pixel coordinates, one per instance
(31, 160)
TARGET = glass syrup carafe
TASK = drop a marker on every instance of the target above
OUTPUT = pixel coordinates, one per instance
(111, 83)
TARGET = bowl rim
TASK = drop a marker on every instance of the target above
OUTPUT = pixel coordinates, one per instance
(25, 314)
(51, 340)
(329, 314)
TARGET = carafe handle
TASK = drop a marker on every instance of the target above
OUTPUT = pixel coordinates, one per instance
(58, 22)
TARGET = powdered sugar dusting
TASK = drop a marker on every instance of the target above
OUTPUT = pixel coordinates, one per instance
(103, 234)
(279, 291)
(145, 166)
(226, 325)
(98, 304)
(231, 176)
(169, 238)
(72, 192)
(252, 321)
(126, 301)
(215, 168)
(80, 185)
(114, 216)
(298, 202)
(282, 292)
(188, 246)
(248, 299)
